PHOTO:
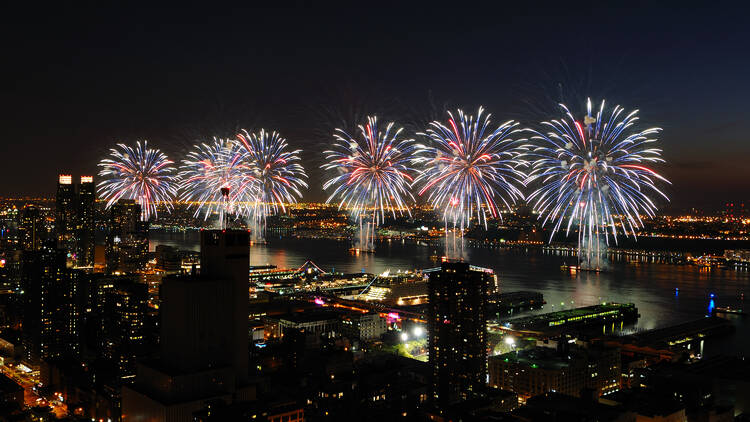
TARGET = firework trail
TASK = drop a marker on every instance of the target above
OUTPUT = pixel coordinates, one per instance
(277, 172)
(594, 173)
(469, 168)
(217, 177)
(374, 174)
(140, 173)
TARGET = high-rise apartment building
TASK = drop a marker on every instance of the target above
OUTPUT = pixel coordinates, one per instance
(9, 229)
(122, 330)
(32, 230)
(52, 307)
(127, 240)
(85, 236)
(74, 219)
(65, 213)
(457, 332)
(10, 248)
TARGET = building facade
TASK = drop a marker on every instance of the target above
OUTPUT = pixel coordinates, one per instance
(457, 332)
(122, 332)
(85, 235)
(74, 219)
(32, 230)
(565, 370)
(367, 326)
(52, 305)
(204, 337)
(65, 213)
(127, 240)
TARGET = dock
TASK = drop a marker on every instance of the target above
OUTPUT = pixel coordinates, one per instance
(577, 317)
(682, 333)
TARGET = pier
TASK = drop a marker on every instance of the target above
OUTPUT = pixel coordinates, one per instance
(584, 316)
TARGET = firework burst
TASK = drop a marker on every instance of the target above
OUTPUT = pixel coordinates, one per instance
(217, 177)
(469, 168)
(140, 173)
(279, 177)
(374, 172)
(595, 174)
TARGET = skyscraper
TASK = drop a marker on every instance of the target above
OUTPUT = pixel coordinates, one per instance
(10, 247)
(122, 331)
(9, 229)
(204, 336)
(127, 240)
(225, 257)
(457, 332)
(74, 219)
(31, 228)
(85, 241)
(52, 314)
(65, 213)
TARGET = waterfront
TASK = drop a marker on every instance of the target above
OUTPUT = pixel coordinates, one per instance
(651, 286)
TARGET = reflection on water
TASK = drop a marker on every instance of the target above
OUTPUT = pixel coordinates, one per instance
(664, 294)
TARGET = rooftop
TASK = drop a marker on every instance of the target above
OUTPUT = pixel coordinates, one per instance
(312, 315)
(573, 314)
(538, 357)
(677, 333)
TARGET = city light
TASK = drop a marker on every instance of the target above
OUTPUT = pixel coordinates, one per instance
(543, 262)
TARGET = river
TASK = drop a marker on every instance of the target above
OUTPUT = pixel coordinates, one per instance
(651, 286)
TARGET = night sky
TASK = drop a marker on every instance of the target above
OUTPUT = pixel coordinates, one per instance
(76, 80)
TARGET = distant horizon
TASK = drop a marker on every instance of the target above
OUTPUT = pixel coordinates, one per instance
(666, 211)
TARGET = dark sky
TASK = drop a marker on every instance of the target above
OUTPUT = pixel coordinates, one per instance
(74, 80)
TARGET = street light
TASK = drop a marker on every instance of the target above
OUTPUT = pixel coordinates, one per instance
(404, 337)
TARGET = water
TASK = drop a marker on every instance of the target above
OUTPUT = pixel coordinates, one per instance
(651, 286)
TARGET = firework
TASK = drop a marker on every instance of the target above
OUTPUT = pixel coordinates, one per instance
(217, 177)
(278, 174)
(140, 173)
(374, 173)
(469, 168)
(594, 174)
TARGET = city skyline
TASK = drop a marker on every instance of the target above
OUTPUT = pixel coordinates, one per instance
(157, 326)
(685, 84)
(385, 211)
